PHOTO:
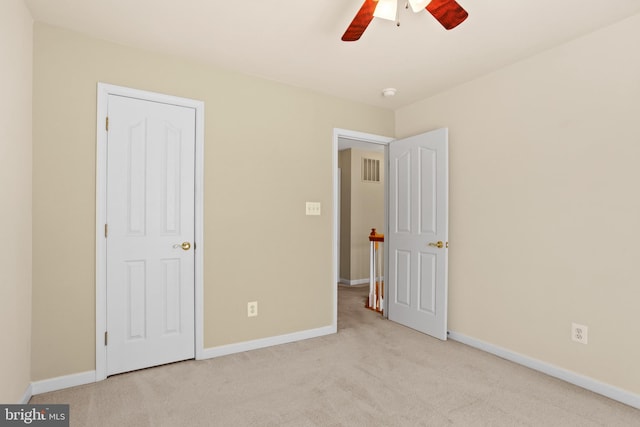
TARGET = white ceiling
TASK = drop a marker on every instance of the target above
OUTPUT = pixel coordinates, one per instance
(298, 41)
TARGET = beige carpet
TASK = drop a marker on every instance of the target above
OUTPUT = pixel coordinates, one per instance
(373, 372)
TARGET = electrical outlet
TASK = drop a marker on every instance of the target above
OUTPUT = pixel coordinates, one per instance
(579, 333)
(252, 309)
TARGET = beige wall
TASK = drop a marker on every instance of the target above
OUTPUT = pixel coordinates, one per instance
(544, 211)
(344, 162)
(362, 208)
(16, 65)
(267, 151)
(367, 211)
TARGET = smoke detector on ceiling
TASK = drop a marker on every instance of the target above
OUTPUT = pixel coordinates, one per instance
(390, 91)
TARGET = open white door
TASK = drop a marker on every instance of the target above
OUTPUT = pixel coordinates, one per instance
(418, 232)
(150, 239)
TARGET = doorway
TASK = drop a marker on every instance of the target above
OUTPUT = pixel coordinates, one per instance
(416, 228)
(149, 229)
(343, 138)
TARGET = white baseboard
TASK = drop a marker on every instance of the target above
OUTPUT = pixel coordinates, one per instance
(66, 381)
(224, 350)
(353, 282)
(26, 396)
(588, 383)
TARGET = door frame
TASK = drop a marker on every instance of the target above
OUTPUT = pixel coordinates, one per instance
(363, 137)
(103, 92)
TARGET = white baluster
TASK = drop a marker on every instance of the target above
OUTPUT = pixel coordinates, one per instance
(372, 277)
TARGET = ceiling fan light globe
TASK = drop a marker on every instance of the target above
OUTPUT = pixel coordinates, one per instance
(386, 9)
(418, 5)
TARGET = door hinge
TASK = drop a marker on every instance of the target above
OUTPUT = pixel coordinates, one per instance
(106, 230)
(106, 124)
(106, 334)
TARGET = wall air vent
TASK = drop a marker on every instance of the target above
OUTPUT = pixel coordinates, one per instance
(370, 170)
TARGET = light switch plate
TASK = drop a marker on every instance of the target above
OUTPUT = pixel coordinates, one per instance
(313, 208)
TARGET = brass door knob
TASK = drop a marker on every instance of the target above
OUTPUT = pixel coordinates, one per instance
(439, 244)
(185, 246)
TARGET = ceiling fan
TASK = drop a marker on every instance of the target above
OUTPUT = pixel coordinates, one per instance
(447, 12)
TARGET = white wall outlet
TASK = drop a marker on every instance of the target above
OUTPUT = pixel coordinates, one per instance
(313, 208)
(252, 309)
(579, 333)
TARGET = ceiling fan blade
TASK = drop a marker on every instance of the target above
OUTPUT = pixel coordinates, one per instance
(360, 22)
(448, 13)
